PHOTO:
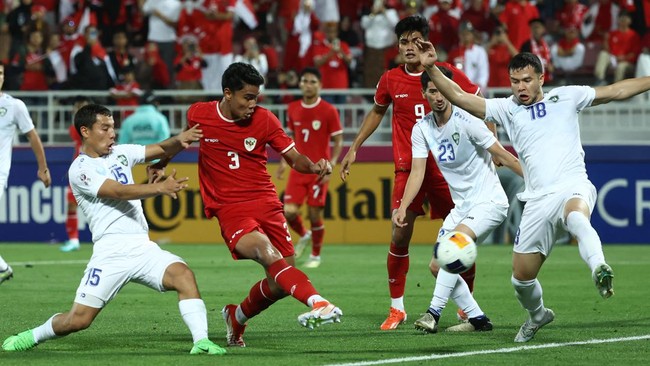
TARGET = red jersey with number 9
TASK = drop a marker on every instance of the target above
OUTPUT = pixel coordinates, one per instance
(232, 155)
(404, 90)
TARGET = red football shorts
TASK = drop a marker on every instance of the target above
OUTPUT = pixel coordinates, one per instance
(267, 217)
(301, 187)
(434, 189)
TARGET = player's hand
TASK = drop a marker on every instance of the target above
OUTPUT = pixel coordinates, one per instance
(428, 55)
(190, 135)
(155, 173)
(322, 168)
(399, 216)
(346, 163)
(171, 185)
(44, 176)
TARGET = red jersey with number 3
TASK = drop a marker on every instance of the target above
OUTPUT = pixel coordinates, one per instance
(232, 155)
(313, 126)
(404, 90)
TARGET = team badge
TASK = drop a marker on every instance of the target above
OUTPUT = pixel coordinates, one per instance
(554, 98)
(122, 160)
(316, 125)
(456, 137)
(249, 143)
(3, 111)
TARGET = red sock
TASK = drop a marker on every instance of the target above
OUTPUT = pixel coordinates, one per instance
(317, 234)
(468, 276)
(297, 226)
(398, 266)
(259, 299)
(292, 280)
(71, 225)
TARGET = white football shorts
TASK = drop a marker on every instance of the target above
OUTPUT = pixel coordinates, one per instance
(542, 221)
(481, 218)
(119, 259)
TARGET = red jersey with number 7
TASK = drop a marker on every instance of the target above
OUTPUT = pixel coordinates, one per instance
(313, 127)
(404, 90)
(232, 155)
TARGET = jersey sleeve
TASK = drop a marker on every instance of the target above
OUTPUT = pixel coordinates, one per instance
(478, 132)
(382, 96)
(334, 122)
(190, 115)
(496, 110)
(418, 141)
(86, 177)
(278, 139)
(23, 120)
(582, 95)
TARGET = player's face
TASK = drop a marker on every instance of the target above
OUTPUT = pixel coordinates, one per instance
(242, 103)
(310, 86)
(407, 47)
(100, 138)
(437, 101)
(526, 85)
(2, 75)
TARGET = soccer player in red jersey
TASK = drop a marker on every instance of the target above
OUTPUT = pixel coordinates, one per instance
(401, 86)
(237, 189)
(314, 123)
(71, 221)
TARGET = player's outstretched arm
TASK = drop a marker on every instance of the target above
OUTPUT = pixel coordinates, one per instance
(621, 90)
(370, 123)
(169, 186)
(303, 164)
(37, 147)
(452, 91)
(504, 157)
(413, 184)
(167, 149)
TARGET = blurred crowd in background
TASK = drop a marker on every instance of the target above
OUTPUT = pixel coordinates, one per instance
(128, 46)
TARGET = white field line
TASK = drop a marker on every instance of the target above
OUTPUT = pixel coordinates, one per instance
(492, 351)
(49, 263)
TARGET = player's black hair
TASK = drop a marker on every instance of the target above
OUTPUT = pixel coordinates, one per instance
(310, 70)
(413, 23)
(524, 59)
(424, 78)
(239, 74)
(87, 116)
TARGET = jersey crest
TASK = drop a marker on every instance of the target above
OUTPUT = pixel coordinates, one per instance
(456, 137)
(316, 125)
(122, 160)
(3, 111)
(249, 143)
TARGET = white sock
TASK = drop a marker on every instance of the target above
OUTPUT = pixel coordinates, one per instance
(3, 264)
(464, 299)
(240, 316)
(314, 299)
(195, 317)
(445, 283)
(397, 303)
(589, 245)
(44, 331)
(529, 294)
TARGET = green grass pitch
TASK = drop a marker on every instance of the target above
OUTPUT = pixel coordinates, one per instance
(142, 327)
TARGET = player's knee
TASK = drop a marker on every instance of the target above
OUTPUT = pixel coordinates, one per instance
(434, 268)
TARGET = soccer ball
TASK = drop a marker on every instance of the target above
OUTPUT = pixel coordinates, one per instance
(455, 252)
